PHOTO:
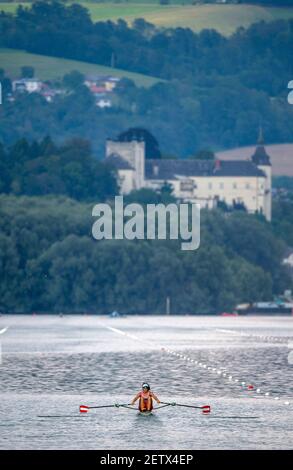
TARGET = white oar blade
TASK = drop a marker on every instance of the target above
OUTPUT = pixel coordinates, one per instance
(83, 409)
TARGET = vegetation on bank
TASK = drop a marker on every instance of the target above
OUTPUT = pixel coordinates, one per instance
(49, 261)
(42, 168)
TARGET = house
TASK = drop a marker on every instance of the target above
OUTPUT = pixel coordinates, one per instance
(288, 259)
(30, 85)
(246, 183)
(102, 103)
(107, 83)
(111, 82)
(101, 87)
(98, 90)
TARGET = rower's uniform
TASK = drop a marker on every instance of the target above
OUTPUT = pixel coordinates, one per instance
(146, 400)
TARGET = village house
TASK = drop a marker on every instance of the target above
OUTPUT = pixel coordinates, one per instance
(30, 85)
(101, 87)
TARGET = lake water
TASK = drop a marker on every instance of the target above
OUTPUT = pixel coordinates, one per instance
(51, 365)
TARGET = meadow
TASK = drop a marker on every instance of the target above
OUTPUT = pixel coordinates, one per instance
(49, 68)
(225, 18)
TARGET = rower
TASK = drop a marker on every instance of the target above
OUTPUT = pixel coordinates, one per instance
(145, 398)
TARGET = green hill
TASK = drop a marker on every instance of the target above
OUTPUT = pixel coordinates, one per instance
(11, 60)
(224, 18)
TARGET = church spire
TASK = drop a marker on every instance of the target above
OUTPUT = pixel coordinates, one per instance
(260, 140)
(260, 156)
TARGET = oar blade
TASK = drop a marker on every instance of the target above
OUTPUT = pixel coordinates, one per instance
(206, 409)
(83, 409)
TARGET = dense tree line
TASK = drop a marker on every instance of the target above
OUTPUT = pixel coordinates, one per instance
(220, 117)
(53, 29)
(269, 3)
(41, 168)
(50, 262)
(215, 93)
(283, 218)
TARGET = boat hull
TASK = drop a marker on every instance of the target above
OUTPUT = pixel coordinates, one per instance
(145, 413)
(266, 311)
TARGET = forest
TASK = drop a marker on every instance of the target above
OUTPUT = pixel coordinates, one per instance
(214, 91)
(50, 263)
(42, 168)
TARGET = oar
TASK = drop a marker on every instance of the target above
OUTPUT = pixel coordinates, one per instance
(84, 408)
(163, 406)
(205, 409)
(129, 407)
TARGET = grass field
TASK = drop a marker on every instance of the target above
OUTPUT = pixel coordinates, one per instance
(224, 18)
(51, 68)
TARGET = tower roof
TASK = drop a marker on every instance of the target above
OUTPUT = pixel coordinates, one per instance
(260, 156)
(171, 169)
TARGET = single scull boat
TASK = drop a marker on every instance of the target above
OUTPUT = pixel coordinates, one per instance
(206, 409)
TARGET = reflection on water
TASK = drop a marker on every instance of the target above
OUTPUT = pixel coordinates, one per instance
(52, 365)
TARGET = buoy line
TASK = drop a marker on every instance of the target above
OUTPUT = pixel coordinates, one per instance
(1, 333)
(249, 386)
(269, 338)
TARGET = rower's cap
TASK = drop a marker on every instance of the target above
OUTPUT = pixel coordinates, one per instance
(146, 385)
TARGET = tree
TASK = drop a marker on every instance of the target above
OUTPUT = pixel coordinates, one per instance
(149, 196)
(5, 177)
(6, 85)
(73, 80)
(27, 71)
(43, 168)
(167, 193)
(144, 27)
(204, 154)
(152, 149)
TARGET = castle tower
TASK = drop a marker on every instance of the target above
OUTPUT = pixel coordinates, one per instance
(132, 152)
(262, 160)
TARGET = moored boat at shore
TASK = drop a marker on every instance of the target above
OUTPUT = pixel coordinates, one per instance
(265, 308)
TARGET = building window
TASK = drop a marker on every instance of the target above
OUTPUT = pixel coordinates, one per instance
(210, 186)
(187, 186)
(247, 185)
(234, 185)
(221, 185)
